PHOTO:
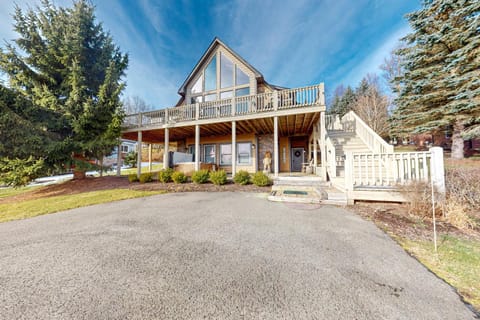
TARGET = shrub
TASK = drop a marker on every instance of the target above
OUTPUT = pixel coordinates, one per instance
(218, 177)
(179, 177)
(200, 176)
(456, 213)
(130, 159)
(419, 199)
(146, 177)
(242, 177)
(132, 177)
(464, 185)
(260, 179)
(165, 175)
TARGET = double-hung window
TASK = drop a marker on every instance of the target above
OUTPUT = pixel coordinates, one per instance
(225, 154)
(244, 153)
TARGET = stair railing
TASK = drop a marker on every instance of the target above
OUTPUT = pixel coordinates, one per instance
(331, 158)
(352, 123)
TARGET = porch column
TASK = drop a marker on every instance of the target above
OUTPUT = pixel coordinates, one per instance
(139, 153)
(315, 142)
(149, 157)
(323, 149)
(119, 158)
(275, 145)
(197, 147)
(165, 152)
(234, 148)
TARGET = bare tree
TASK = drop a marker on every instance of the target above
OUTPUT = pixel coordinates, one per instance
(392, 68)
(135, 104)
(372, 106)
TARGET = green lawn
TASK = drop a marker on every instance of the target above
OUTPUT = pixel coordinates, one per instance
(36, 207)
(126, 172)
(457, 262)
(10, 192)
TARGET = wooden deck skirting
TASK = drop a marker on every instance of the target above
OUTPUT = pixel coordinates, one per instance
(265, 105)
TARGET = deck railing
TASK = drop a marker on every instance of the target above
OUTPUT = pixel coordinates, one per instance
(236, 106)
(393, 169)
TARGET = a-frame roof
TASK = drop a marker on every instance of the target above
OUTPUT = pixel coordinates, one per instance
(215, 43)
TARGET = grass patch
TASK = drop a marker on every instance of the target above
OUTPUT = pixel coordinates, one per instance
(457, 262)
(10, 192)
(126, 172)
(36, 207)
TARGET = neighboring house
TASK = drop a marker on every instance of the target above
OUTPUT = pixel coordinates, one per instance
(126, 146)
(231, 117)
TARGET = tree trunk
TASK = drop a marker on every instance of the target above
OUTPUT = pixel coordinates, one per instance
(79, 174)
(101, 167)
(457, 141)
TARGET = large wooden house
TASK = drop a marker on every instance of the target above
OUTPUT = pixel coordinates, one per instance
(229, 117)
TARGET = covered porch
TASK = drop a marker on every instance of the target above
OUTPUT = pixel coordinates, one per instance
(234, 134)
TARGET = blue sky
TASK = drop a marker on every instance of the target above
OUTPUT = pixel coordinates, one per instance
(293, 43)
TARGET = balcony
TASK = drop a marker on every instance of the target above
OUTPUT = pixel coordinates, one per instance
(278, 103)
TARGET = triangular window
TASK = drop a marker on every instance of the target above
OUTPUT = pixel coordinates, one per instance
(241, 77)
(197, 87)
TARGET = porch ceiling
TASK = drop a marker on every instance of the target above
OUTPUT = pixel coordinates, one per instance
(291, 125)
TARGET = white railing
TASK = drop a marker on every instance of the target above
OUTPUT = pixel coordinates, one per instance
(352, 123)
(332, 122)
(393, 169)
(331, 158)
(236, 106)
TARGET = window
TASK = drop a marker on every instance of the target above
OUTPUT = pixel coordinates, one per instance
(225, 154)
(209, 153)
(221, 79)
(226, 72)
(197, 87)
(211, 97)
(191, 150)
(225, 94)
(244, 152)
(211, 75)
(240, 77)
(124, 148)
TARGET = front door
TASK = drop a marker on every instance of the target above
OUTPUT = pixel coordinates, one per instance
(297, 159)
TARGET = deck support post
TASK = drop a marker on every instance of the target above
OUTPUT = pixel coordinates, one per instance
(139, 153)
(323, 148)
(275, 145)
(165, 152)
(149, 157)
(315, 142)
(119, 159)
(234, 148)
(197, 147)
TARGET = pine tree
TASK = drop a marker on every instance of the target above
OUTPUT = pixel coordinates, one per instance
(343, 103)
(65, 64)
(440, 83)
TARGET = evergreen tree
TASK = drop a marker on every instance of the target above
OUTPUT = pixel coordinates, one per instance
(67, 66)
(344, 103)
(440, 84)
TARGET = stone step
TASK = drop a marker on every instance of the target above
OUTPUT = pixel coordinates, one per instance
(308, 194)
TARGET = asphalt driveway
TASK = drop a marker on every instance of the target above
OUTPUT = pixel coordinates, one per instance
(212, 256)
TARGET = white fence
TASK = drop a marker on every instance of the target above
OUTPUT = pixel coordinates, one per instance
(390, 170)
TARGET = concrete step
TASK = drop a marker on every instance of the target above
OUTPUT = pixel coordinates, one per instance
(308, 194)
(300, 181)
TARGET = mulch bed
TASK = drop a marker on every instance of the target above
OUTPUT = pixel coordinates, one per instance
(397, 221)
(112, 182)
